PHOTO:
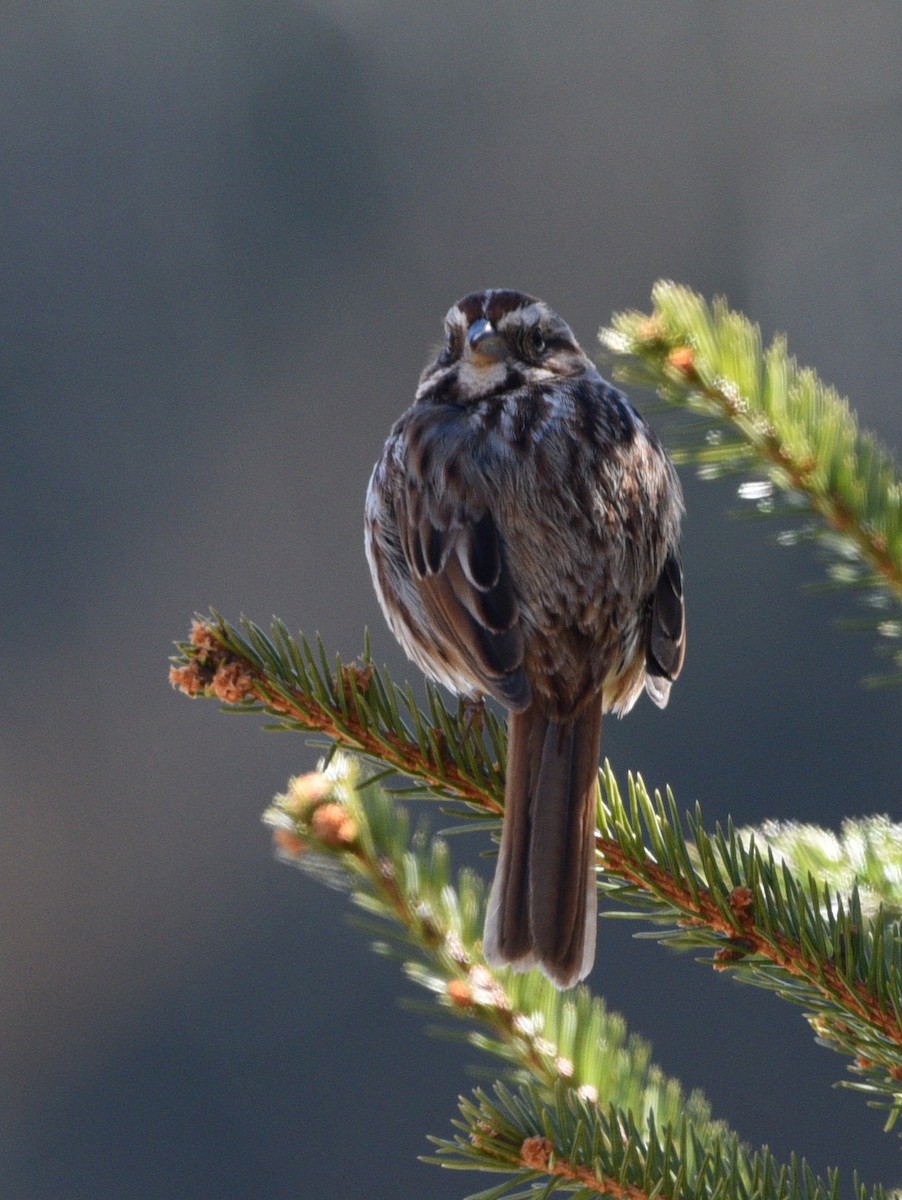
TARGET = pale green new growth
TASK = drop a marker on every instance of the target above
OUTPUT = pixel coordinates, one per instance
(432, 921)
(866, 855)
(758, 411)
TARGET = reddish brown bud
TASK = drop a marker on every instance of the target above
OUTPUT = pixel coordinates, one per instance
(305, 792)
(288, 843)
(203, 638)
(232, 683)
(189, 679)
(536, 1153)
(742, 901)
(458, 992)
(332, 825)
(362, 676)
(682, 359)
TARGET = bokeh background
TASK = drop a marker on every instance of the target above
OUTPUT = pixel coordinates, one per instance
(229, 234)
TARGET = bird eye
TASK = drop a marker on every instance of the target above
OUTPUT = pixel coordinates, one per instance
(537, 341)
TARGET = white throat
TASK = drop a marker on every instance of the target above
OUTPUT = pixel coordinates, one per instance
(478, 381)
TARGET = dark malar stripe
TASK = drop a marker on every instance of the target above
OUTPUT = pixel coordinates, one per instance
(443, 391)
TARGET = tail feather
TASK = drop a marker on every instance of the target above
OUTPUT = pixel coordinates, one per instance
(542, 908)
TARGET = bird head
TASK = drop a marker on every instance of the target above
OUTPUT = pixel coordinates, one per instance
(498, 340)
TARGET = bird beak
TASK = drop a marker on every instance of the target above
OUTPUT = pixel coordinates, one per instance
(485, 346)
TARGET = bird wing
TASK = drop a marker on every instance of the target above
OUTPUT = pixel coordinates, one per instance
(458, 565)
(667, 631)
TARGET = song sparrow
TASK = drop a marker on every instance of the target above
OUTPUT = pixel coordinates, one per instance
(522, 531)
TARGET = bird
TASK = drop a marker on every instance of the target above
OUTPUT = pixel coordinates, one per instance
(522, 529)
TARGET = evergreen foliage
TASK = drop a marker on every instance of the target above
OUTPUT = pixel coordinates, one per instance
(808, 915)
(757, 411)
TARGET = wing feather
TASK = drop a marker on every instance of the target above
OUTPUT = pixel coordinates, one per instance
(667, 632)
(459, 569)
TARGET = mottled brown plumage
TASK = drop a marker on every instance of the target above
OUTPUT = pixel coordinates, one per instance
(522, 529)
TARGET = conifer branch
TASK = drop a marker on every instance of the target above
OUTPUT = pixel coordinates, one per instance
(797, 937)
(585, 1110)
(356, 707)
(587, 1150)
(345, 829)
(716, 892)
(709, 361)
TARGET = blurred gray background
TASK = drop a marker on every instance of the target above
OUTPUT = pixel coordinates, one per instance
(229, 234)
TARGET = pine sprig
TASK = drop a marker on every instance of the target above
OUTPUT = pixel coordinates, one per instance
(795, 936)
(343, 828)
(589, 1150)
(453, 755)
(585, 1111)
(779, 419)
(714, 892)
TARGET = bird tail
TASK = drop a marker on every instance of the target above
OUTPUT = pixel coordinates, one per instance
(543, 909)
